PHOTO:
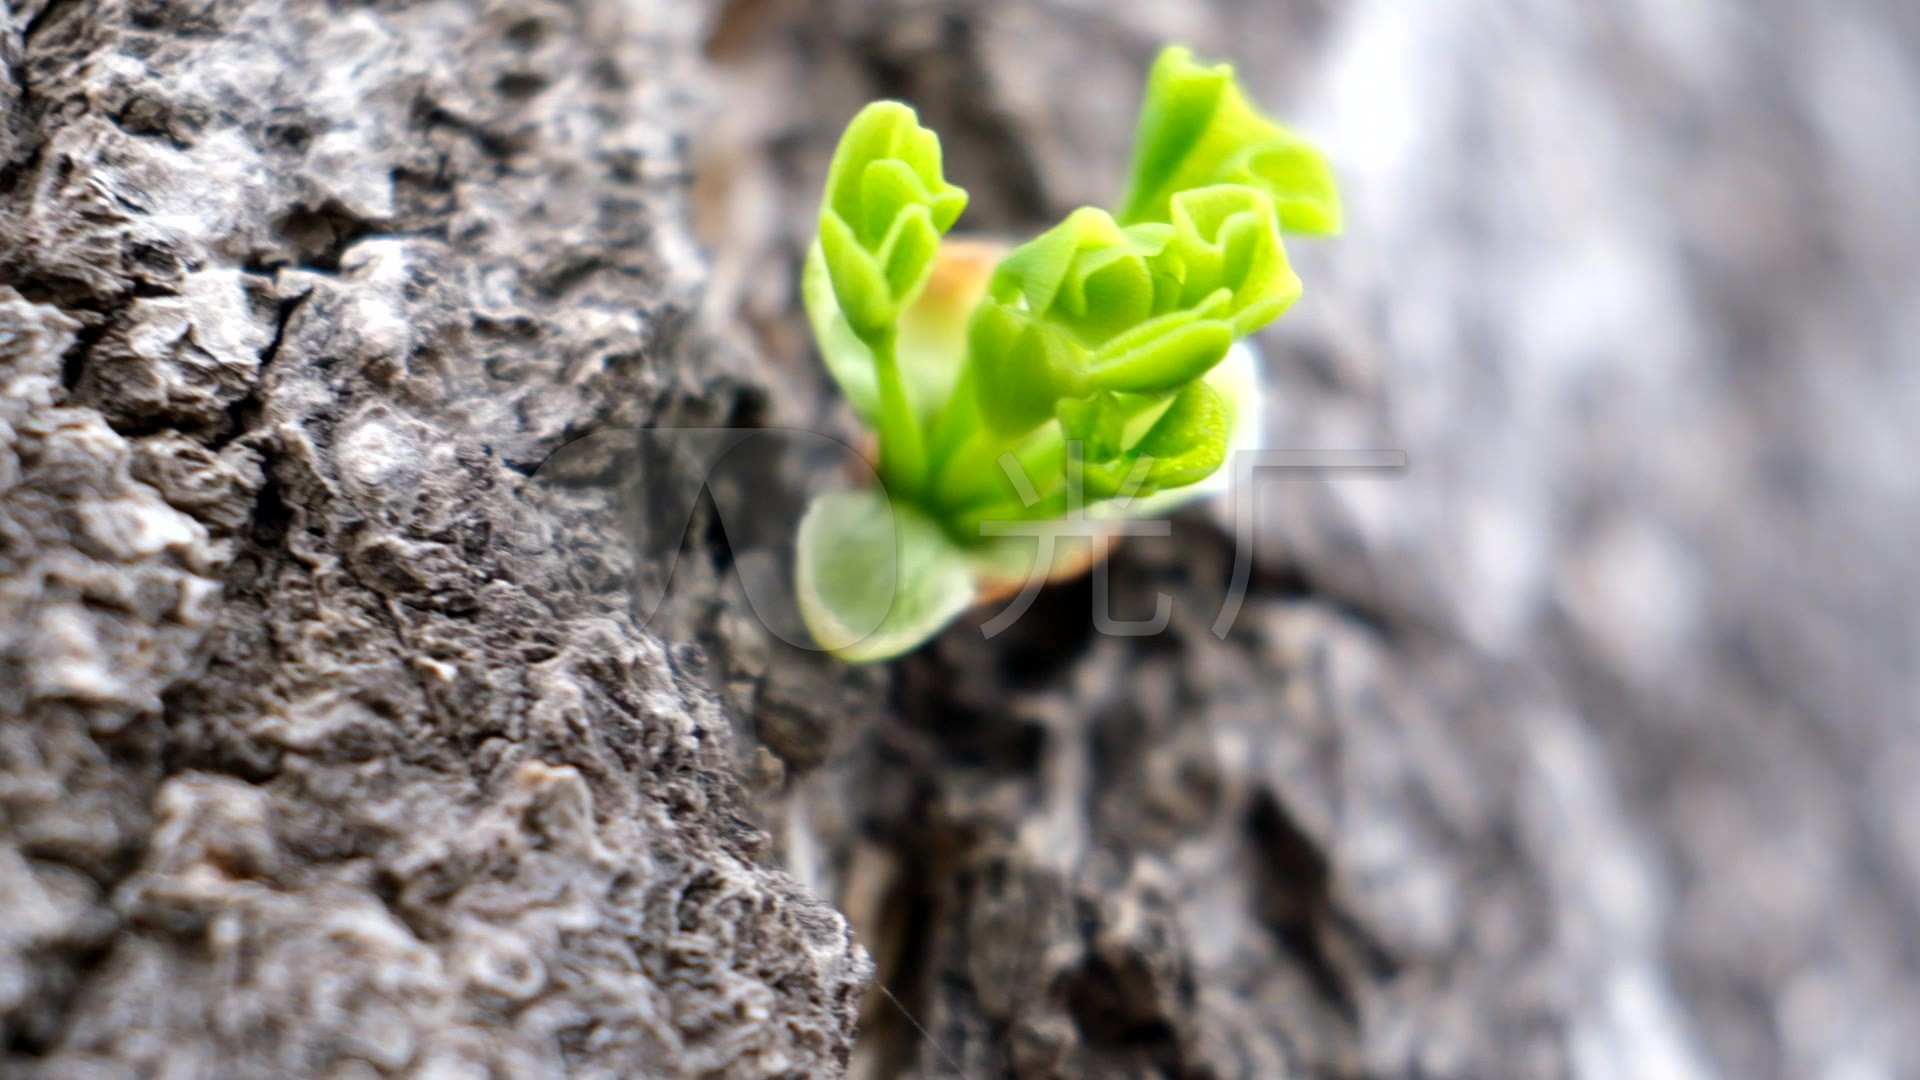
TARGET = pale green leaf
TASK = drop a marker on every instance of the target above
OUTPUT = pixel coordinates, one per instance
(876, 578)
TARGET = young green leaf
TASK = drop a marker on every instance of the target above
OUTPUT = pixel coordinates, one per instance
(885, 208)
(881, 218)
(1090, 306)
(1197, 128)
(1298, 178)
(1023, 366)
(1052, 306)
(1235, 383)
(932, 342)
(848, 359)
(875, 577)
(1188, 442)
(1098, 423)
(1163, 354)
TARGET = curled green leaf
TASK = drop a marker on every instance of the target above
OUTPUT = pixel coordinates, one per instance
(1189, 441)
(1090, 306)
(884, 211)
(1024, 367)
(1185, 444)
(1163, 354)
(1197, 128)
(1227, 236)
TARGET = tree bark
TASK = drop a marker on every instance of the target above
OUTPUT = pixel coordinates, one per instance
(341, 733)
(311, 764)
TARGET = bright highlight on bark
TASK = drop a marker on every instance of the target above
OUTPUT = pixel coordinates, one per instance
(1079, 375)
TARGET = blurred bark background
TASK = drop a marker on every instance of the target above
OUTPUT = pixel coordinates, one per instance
(334, 740)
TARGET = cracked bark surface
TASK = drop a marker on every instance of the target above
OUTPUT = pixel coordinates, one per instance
(338, 734)
(312, 763)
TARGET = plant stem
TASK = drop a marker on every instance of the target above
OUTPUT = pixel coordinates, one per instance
(975, 475)
(903, 456)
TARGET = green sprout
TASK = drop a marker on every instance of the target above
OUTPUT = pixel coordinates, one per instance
(1090, 373)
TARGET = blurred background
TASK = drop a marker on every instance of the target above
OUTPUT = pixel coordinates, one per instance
(1587, 746)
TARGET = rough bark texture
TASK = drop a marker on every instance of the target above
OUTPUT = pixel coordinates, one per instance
(312, 763)
(335, 737)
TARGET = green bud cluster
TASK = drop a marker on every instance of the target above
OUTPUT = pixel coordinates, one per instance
(885, 209)
(1088, 359)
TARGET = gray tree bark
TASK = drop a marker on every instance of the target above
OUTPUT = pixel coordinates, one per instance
(336, 738)
(309, 765)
